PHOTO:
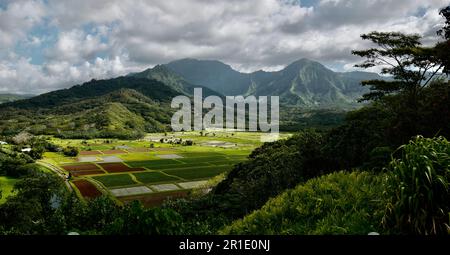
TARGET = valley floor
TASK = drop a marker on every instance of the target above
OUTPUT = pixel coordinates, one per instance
(151, 169)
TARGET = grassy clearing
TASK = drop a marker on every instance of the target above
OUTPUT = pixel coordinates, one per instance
(138, 156)
(57, 158)
(115, 180)
(6, 186)
(154, 177)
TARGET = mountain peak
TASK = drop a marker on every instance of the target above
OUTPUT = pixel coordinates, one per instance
(212, 74)
(198, 63)
(305, 62)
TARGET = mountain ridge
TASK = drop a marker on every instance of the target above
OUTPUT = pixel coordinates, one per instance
(128, 106)
(305, 83)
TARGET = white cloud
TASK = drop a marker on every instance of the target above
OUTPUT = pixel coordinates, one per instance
(107, 38)
(17, 19)
(25, 77)
(76, 46)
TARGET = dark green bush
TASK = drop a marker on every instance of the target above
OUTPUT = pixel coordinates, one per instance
(70, 151)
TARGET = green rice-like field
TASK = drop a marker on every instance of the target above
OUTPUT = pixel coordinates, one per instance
(113, 180)
(195, 173)
(206, 158)
(154, 177)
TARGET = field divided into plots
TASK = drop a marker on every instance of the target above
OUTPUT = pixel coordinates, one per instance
(148, 170)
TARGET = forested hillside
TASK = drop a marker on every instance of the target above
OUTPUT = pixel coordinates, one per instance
(124, 107)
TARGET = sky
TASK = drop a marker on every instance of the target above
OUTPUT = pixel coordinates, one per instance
(51, 44)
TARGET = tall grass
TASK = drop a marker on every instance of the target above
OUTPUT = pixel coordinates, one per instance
(418, 188)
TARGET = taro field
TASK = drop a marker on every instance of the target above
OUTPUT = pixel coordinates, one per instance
(152, 169)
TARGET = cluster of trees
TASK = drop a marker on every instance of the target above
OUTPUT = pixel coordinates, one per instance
(92, 134)
(42, 205)
(179, 141)
(360, 202)
(70, 151)
(15, 164)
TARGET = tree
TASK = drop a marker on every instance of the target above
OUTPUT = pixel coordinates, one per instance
(443, 48)
(445, 31)
(402, 56)
(22, 138)
(71, 151)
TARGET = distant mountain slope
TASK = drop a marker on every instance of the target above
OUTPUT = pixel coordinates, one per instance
(95, 88)
(303, 83)
(128, 106)
(123, 107)
(212, 74)
(310, 84)
(173, 80)
(4, 98)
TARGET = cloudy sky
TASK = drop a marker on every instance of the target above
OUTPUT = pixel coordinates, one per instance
(51, 44)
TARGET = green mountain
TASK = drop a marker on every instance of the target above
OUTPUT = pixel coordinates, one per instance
(173, 80)
(212, 74)
(4, 98)
(126, 107)
(150, 88)
(123, 107)
(304, 83)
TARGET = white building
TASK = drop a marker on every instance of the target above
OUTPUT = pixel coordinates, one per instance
(3, 143)
(26, 150)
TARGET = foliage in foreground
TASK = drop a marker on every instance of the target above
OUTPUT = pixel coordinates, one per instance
(338, 203)
(42, 205)
(419, 188)
(270, 170)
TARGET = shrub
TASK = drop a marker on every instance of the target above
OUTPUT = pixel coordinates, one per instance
(188, 143)
(337, 203)
(270, 170)
(418, 188)
(71, 151)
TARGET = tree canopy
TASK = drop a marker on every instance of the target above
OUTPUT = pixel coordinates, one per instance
(402, 56)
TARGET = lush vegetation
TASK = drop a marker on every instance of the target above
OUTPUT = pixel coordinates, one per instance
(115, 180)
(338, 203)
(419, 188)
(386, 169)
(124, 108)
